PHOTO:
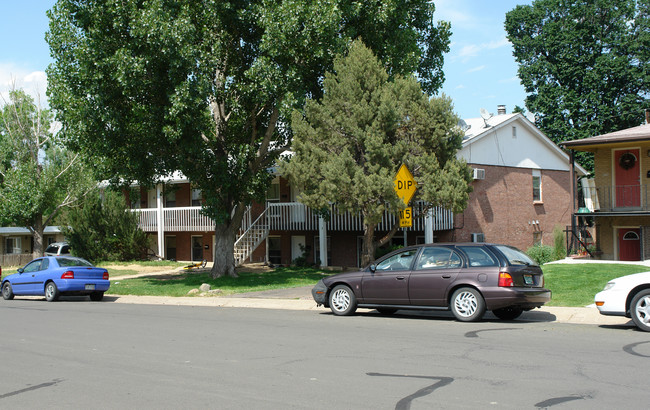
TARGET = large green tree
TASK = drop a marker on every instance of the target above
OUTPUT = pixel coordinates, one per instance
(207, 87)
(584, 64)
(348, 146)
(38, 178)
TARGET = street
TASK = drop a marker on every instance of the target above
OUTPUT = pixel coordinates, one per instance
(75, 353)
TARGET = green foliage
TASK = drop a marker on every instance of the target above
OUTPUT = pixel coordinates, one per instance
(38, 177)
(103, 229)
(349, 145)
(585, 65)
(207, 87)
(559, 243)
(541, 254)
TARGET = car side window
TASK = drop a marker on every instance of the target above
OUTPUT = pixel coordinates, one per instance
(479, 256)
(65, 249)
(45, 264)
(438, 258)
(399, 261)
(33, 266)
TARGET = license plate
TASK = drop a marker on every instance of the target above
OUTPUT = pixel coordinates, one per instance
(90, 287)
(528, 279)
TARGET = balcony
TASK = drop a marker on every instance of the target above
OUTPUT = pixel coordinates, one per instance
(619, 199)
(285, 216)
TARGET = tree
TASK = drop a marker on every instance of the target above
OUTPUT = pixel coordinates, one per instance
(207, 87)
(585, 65)
(38, 177)
(348, 147)
(102, 229)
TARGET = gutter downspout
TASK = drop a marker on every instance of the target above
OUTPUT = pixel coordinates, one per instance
(572, 176)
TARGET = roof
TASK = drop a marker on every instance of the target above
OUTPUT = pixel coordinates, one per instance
(640, 133)
(12, 230)
(527, 153)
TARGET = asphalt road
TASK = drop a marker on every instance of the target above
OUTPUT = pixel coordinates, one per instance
(79, 354)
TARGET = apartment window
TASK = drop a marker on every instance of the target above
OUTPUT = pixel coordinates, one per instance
(273, 193)
(514, 132)
(317, 251)
(197, 196)
(12, 245)
(537, 185)
(170, 199)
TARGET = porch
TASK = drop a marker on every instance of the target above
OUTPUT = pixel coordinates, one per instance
(618, 199)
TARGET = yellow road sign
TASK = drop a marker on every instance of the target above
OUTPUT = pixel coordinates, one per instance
(406, 218)
(405, 185)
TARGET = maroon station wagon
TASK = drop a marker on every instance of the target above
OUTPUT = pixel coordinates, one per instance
(466, 278)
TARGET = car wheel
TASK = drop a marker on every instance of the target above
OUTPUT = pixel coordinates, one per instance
(51, 292)
(386, 311)
(7, 292)
(342, 301)
(508, 313)
(467, 305)
(640, 310)
(96, 296)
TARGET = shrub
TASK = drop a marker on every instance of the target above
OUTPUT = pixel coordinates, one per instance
(559, 245)
(541, 253)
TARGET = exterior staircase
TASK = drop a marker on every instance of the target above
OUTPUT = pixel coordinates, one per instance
(251, 236)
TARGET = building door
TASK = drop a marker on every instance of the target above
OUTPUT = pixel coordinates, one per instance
(629, 244)
(297, 246)
(628, 185)
(197, 248)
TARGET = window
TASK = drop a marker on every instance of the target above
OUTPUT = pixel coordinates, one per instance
(12, 245)
(537, 185)
(399, 261)
(514, 132)
(170, 199)
(274, 249)
(197, 196)
(317, 251)
(273, 193)
(478, 256)
(438, 258)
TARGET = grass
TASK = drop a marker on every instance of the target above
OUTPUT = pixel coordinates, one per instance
(181, 284)
(577, 284)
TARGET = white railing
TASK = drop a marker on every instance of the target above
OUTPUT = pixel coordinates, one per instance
(283, 216)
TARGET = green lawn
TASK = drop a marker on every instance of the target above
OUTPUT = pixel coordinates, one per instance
(181, 284)
(577, 284)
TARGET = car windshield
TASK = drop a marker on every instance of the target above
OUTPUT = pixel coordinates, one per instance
(515, 256)
(65, 262)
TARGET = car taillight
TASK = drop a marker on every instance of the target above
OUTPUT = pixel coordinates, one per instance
(68, 275)
(105, 276)
(505, 280)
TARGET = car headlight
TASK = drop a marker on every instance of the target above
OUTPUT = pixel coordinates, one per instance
(609, 285)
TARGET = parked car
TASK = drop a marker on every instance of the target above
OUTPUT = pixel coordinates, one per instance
(466, 278)
(57, 248)
(627, 296)
(53, 276)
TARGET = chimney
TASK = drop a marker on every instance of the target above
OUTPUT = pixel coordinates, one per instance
(501, 109)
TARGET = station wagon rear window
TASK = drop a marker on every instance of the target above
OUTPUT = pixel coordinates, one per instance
(515, 256)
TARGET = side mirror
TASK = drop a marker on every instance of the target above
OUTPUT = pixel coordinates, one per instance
(21, 270)
(373, 268)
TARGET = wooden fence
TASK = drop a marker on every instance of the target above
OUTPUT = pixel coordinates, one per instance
(15, 259)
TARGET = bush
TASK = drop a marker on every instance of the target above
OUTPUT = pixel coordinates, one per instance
(559, 245)
(103, 229)
(541, 254)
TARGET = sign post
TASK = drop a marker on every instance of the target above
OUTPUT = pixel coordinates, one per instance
(405, 187)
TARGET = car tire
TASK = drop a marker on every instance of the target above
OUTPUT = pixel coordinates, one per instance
(386, 311)
(640, 310)
(467, 305)
(7, 291)
(508, 313)
(51, 292)
(342, 301)
(97, 296)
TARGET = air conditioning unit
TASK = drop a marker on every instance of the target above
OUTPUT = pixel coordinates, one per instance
(479, 173)
(478, 237)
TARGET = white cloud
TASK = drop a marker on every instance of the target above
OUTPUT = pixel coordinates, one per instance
(514, 79)
(15, 77)
(475, 69)
(459, 87)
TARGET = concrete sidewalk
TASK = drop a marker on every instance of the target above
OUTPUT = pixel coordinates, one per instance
(300, 299)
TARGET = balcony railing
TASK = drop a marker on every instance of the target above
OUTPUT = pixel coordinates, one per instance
(619, 198)
(289, 216)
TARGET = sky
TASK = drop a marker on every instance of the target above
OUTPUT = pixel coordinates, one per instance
(480, 71)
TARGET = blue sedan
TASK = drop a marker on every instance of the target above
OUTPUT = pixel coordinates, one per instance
(53, 276)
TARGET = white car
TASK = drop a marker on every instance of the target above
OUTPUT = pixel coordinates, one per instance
(627, 296)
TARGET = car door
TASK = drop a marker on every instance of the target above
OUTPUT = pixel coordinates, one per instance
(435, 270)
(26, 282)
(388, 283)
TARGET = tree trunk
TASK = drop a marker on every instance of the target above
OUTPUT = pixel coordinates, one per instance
(224, 258)
(368, 249)
(37, 231)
